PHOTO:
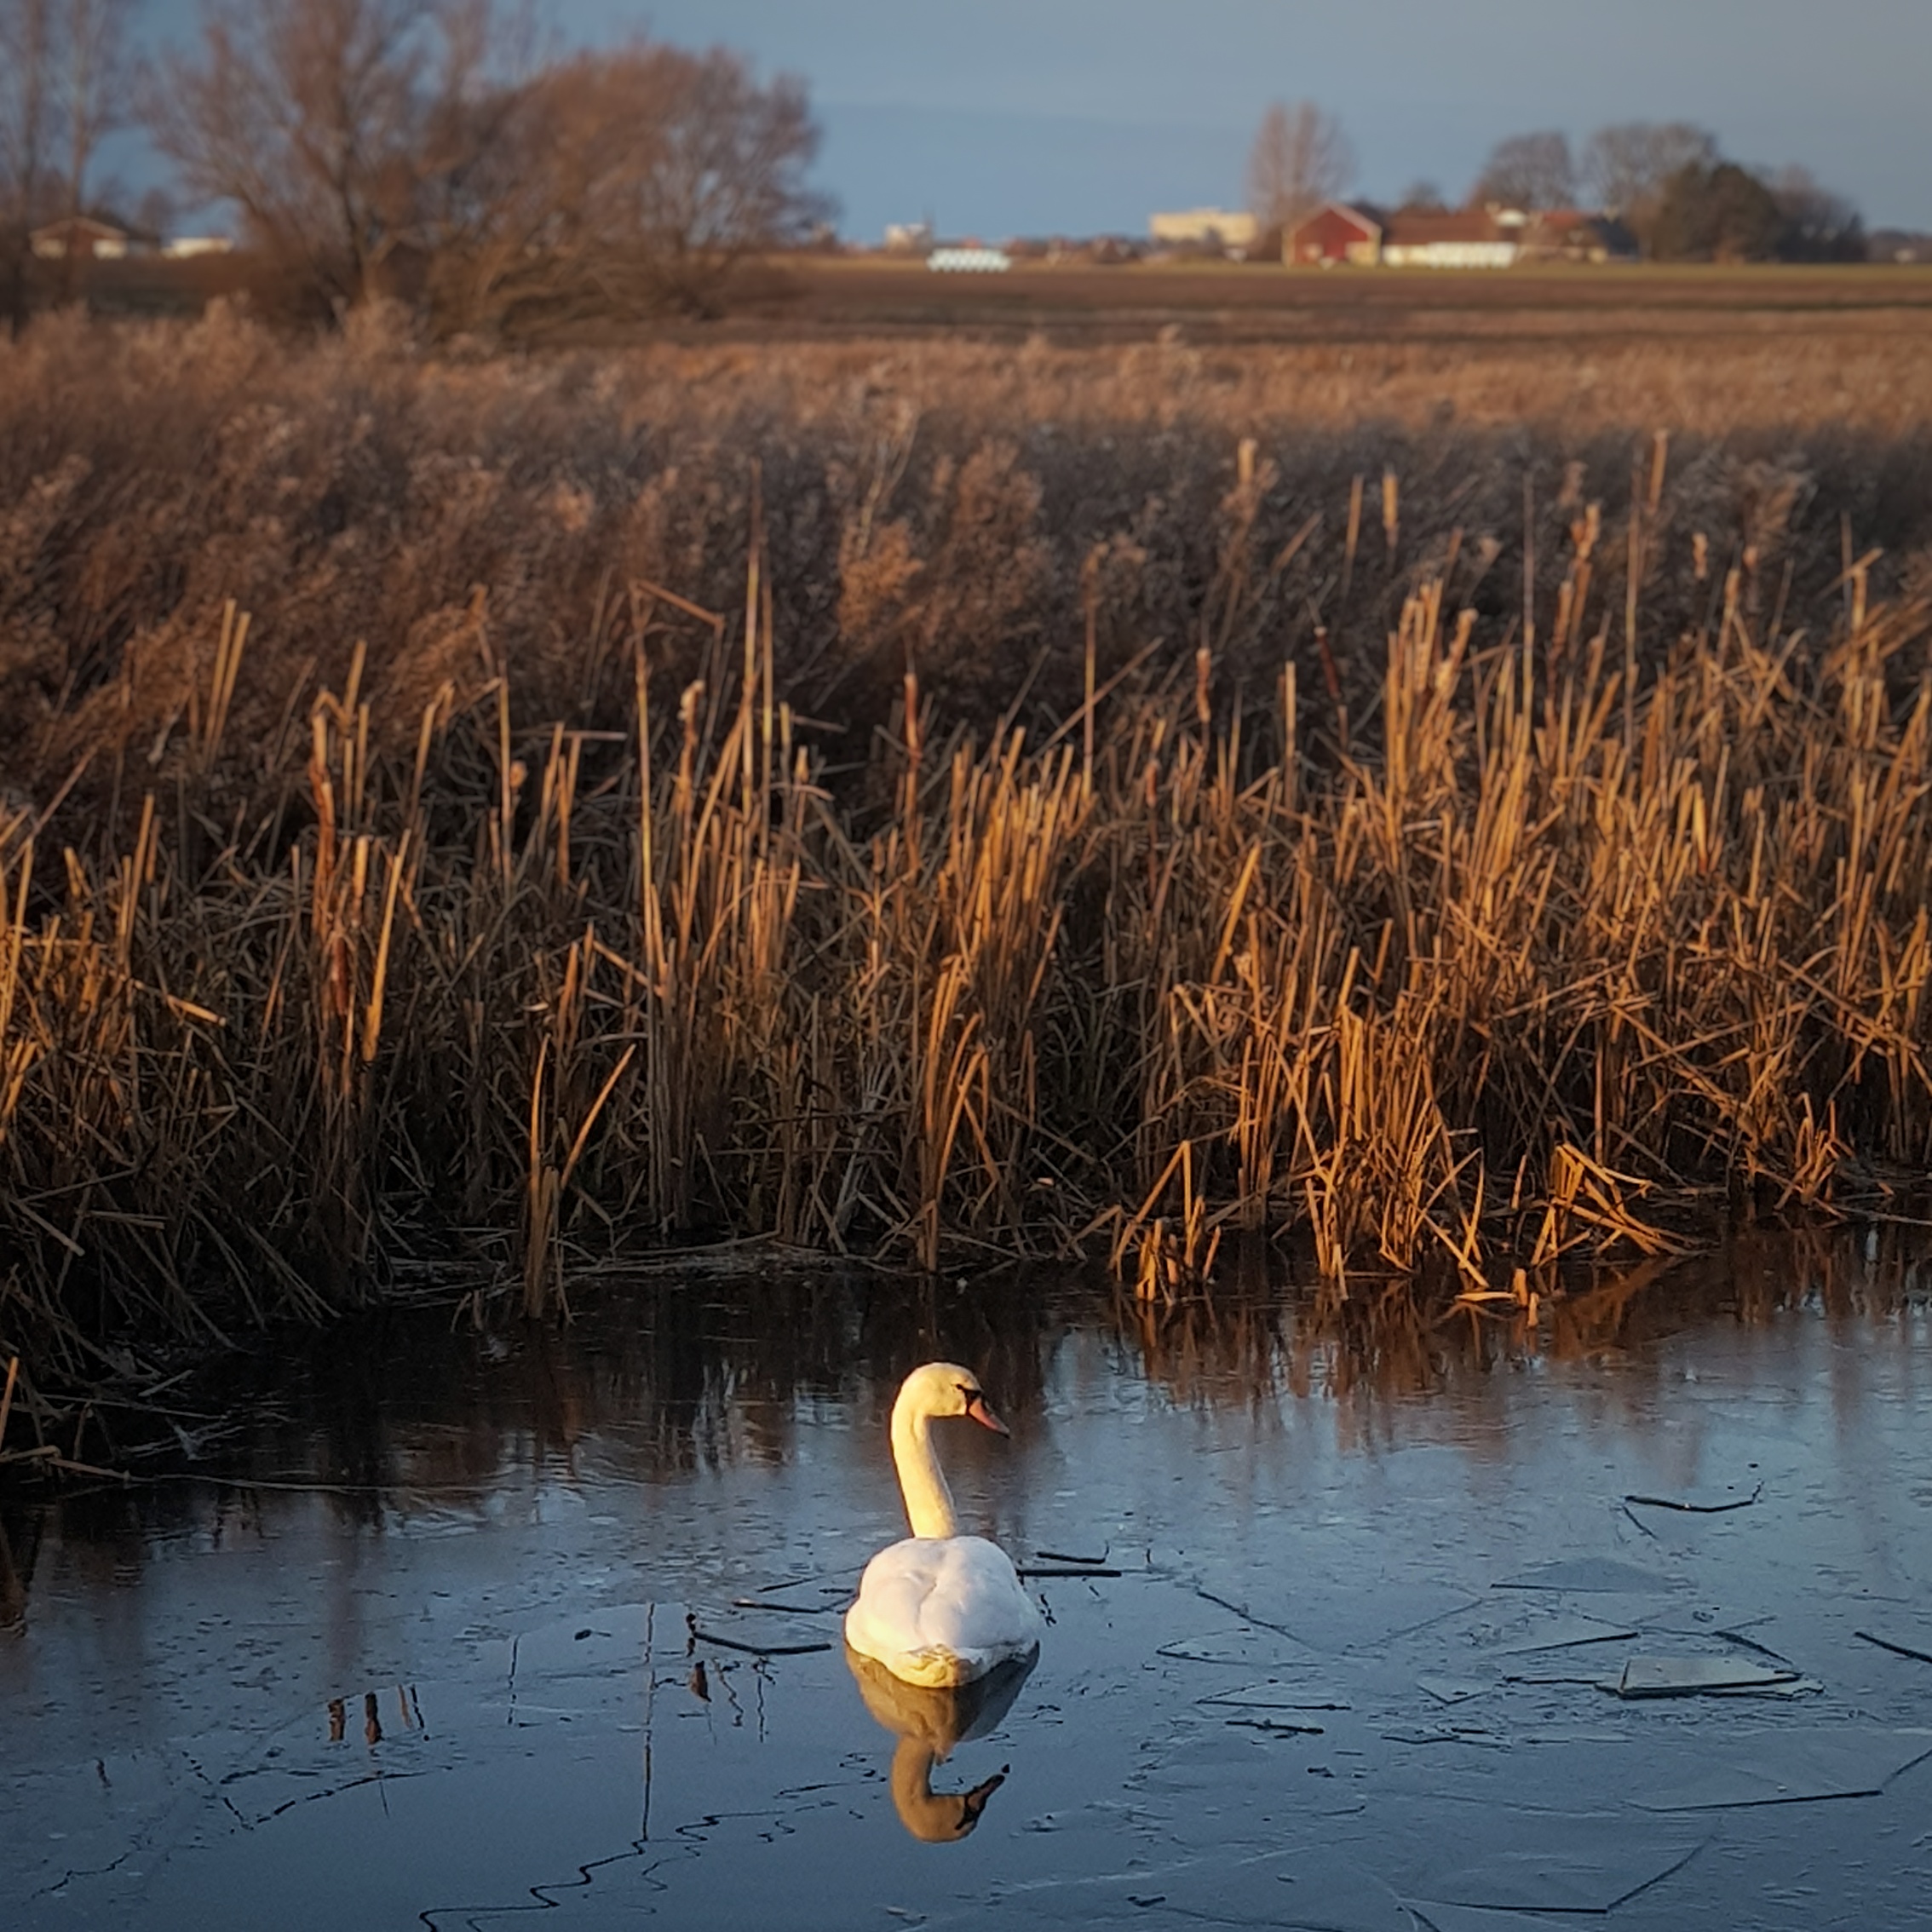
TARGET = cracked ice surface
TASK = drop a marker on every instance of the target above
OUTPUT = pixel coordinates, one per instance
(566, 1641)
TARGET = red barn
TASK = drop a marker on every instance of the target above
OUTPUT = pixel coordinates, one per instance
(1334, 233)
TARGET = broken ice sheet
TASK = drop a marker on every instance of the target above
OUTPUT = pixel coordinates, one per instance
(597, 1643)
(1451, 1690)
(1707, 1619)
(1242, 1645)
(1314, 1888)
(1274, 1695)
(1355, 1620)
(1438, 1917)
(1686, 1676)
(1560, 1633)
(1592, 1680)
(1790, 1767)
(760, 1636)
(1334, 1617)
(1578, 1864)
(1602, 1575)
(1445, 1733)
(1901, 1643)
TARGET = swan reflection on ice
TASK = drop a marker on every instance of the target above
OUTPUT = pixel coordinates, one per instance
(929, 1723)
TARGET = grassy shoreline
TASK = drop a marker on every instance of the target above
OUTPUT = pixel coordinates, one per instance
(535, 813)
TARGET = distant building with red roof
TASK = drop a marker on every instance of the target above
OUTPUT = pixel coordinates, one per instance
(1336, 231)
(1459, 238)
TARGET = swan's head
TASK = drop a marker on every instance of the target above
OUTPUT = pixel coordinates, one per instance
(944, 1388)
(935, 1818)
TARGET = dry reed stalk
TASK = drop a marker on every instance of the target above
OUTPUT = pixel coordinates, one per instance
(1636, 926)
(221, 682)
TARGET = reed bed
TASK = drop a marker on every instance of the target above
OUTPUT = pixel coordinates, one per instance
(1440, 933)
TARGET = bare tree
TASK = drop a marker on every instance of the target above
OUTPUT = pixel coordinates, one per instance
(1529, 171)
(92, 95)
(357, 137)
(156, 212)
(1301, 158)
(730, 168)
(29, 52)
(518, 203)
(1820, 225)
(1625, 166)
(308, 117)
(621, 182)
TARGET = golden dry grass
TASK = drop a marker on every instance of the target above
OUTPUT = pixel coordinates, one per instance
(952, 807)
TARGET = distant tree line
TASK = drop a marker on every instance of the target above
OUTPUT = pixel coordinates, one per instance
(423, 148)
(64, 86)
(1666, 181)
(428, 150)
(1669, 183)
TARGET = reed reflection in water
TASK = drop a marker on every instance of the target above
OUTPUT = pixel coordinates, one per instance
(660, 1380)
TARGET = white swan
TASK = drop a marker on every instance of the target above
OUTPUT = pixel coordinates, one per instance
(940, 1608)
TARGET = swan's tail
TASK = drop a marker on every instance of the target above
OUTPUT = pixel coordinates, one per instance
(937, 1667)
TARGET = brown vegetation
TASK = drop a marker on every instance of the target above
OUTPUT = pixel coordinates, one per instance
(64, 86)
(1667, 336)
(933, 803)
(421, 150)
(1650, 314)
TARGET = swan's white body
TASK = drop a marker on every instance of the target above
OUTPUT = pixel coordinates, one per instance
(939, 1609)
(942, 1611)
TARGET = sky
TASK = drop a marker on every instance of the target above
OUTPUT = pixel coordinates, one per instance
(1000, 118)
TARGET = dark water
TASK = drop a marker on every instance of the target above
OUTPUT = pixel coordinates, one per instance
(1379, 1582)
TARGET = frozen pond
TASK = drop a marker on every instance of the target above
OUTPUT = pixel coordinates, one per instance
(511, 1624)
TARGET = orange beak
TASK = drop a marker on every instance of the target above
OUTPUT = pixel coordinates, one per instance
(977, 1409)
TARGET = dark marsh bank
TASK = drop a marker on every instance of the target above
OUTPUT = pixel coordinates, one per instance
(933, 802)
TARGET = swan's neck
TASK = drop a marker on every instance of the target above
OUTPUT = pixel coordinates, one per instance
(935, 1818)
(928, 1502)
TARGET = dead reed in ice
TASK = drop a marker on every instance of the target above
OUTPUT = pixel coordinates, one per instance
(1525, 952)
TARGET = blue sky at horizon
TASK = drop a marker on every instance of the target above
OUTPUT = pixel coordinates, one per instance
(1030, 117)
